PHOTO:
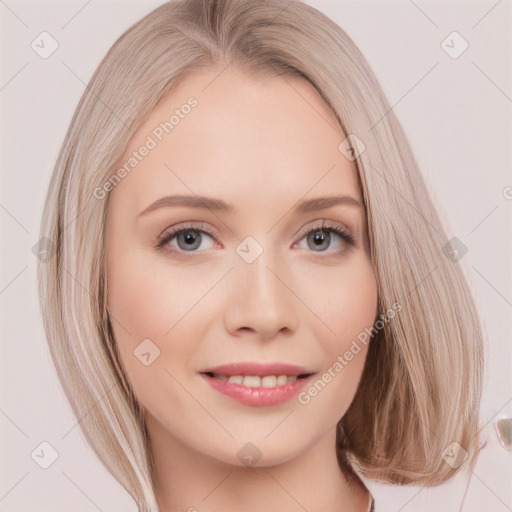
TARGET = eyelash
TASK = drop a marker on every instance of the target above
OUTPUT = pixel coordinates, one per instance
(164, 239)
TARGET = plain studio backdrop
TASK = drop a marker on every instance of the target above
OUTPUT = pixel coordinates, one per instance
(455, 106)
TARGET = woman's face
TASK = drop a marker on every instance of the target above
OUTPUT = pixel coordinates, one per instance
(243, 292)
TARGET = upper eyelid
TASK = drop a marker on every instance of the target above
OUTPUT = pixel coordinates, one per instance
(186, 226)
(325, 223)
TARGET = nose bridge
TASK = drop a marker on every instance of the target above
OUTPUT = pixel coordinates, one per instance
(261, 280)
(259, 299)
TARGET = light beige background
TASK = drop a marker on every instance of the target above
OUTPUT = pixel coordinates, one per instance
(457, 114)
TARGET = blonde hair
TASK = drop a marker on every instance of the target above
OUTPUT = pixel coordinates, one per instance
(421, 386)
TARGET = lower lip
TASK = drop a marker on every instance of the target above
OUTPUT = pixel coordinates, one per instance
(257, 396)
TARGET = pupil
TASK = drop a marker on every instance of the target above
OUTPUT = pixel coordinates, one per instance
(319, 238)
(190, 239)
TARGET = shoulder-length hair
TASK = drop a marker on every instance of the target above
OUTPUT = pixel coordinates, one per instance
(421, 386)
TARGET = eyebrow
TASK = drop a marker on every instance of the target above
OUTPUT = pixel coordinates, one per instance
(214, 204)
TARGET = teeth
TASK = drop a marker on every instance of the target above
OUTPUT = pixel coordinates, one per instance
(282, 379)
(270, 381)
(253, 381)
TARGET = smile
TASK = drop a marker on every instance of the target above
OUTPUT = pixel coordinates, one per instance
(257, 384)
(254, 381)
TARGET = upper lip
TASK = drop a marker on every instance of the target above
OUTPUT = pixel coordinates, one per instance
(258, 369)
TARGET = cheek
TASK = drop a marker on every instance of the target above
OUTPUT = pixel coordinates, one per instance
(349, 310)
(151, 299)
(349, 303)
(139, 301)
(143, 300)
(148, 309)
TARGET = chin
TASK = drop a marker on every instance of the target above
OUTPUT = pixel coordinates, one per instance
(260, 452)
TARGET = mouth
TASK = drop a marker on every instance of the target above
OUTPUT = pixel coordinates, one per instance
(257, 384)
(257, 381)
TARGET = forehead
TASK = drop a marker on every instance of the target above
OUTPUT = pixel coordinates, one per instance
(252, 141)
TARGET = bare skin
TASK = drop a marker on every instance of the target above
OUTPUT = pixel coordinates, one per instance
(263, 145)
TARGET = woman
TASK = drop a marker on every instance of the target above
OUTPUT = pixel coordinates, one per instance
(223, 360)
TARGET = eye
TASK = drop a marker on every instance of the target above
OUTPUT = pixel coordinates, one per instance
(187, 238)
(320, 238)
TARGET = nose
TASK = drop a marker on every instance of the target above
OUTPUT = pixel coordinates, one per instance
(260, 300)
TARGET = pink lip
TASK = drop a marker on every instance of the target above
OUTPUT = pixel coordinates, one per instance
(257, 396)
(258, 369)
